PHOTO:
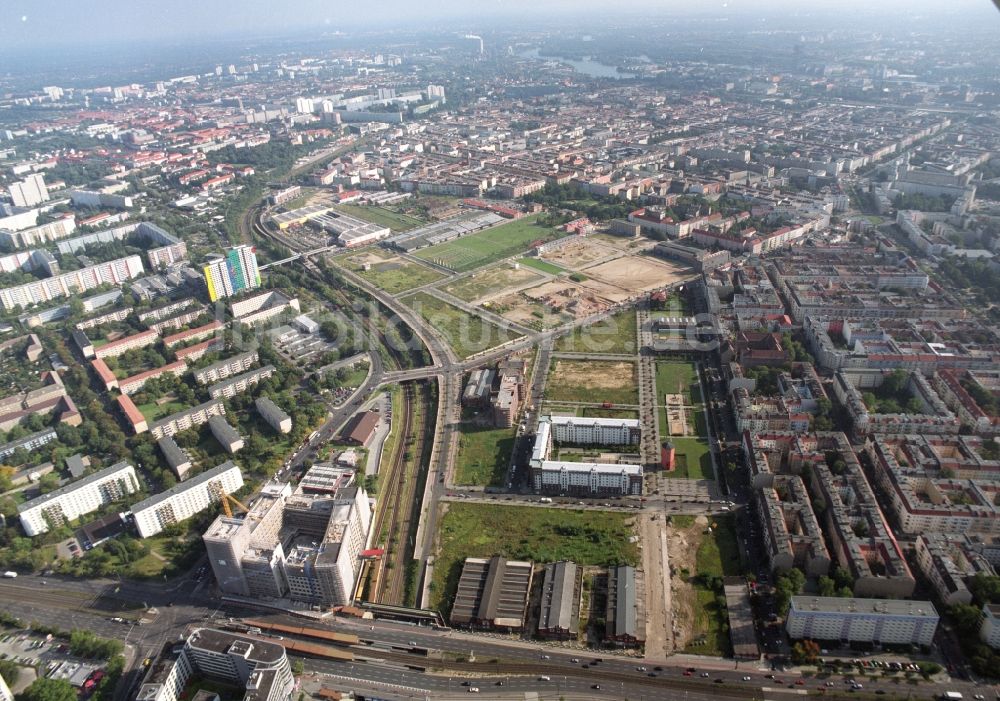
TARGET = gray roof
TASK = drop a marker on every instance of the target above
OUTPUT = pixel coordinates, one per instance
(191, 410)
(622, 603)
(223, 431)
(251, 375)
(74, 463)
(198, 479)
(98, 476)
(558, 604)
(172, 452)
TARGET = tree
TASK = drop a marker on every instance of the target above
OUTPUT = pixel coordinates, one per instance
(967, 619)
(985, 588)
(826, 586)
(805, 652)
(49, 690)
(298, 667)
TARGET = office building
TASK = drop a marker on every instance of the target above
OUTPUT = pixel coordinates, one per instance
(879, 621)
(186, 499)
(232, 273)
(29, 192)
(259, 667)
(77, 498)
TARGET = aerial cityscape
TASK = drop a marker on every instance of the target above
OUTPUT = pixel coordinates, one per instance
(533, 351)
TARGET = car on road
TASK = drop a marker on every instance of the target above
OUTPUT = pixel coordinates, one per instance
(640, 669)
(575, 660)
(596, 686)
(687, 672)
(704, 675)
(544, 678)
(473, 689)
(746, 678)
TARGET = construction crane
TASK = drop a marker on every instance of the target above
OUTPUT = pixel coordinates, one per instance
(227, 500)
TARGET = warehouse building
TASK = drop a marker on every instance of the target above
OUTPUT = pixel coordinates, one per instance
(625, 616)
(492, 594)
(559, 617)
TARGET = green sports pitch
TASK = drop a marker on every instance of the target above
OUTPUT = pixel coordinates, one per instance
(488, 246)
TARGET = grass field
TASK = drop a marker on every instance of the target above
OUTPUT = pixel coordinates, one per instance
(616, 334)
(670, 375)
(154, 412)
(381, 216)
(491, 281)
(592, 381)
(526, 533)
(539, 264)
(692, 458)
(601, 413)
(466, 334)
(483, 455)
(476, 250)
(393, 277)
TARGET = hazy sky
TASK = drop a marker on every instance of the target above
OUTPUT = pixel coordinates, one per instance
(36, 22)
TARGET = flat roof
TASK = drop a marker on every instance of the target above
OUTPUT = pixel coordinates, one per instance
(220, 642)
(607, 468)
(198, 479)
(592, 421)
(887, 607)
(98, 476)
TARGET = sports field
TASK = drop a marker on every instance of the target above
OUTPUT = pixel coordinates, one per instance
(381, 216)
(488, 246)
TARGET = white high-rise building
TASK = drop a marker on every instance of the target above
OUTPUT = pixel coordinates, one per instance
(435, 92)
(186, 499)
(5, 694)
(77, 498)
(29, 192)
(232, 273)
(303, 105)
(114, 272)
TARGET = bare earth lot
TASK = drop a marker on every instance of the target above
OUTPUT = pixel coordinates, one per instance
(580, 254)
(487, 284)
(638, 273)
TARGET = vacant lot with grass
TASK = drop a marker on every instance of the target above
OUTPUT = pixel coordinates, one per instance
(483, 455)
(489, 246)
(490, 282)
(592, 382)
(616, 334)
(702, 552)
(390, 272)
(671, 375)
(692, 458)
(526, 533)
(539, 264)
(154, 412)
(467, 334)
(381, 216)
(594, 412)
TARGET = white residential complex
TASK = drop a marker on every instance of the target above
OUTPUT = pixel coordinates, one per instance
(113, 272)
(584, 478)
(29, 192)
(186, 499)
(881, 621)
(78, 498)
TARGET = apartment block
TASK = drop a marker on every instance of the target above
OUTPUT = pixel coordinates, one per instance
(196, 334)
(186, 499)
(38, 235)
(273, 415)
(186, 418)
(260, 307)
(113, 272)
(933, 415)
(232, 273)
(924, 499)
(77, 498)
(584, 478)
(226, 367)
(227, 436)
(791, 533)
(237, 384)
(861, 620)
(113, 349)
(947, 562)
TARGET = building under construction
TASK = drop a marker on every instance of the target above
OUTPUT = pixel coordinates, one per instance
(303, 545)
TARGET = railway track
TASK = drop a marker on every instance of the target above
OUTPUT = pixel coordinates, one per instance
(393, 487)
